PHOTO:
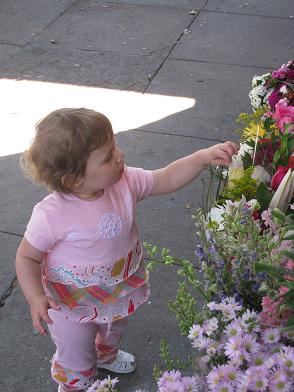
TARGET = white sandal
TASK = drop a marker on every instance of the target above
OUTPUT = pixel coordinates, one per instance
(123, 363)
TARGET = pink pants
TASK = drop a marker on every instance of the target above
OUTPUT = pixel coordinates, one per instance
(79, 346)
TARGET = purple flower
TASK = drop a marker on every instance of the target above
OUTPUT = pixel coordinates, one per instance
(257, 378)
(262, 359)
(271, 335)
(169, 376)
(172, 386)
(279, 381)
(285, 359)
(274, 98)
(223, 386)
(190, 384)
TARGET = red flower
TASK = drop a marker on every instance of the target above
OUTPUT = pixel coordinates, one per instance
(256, 215)
(265, 151)
(278, 177)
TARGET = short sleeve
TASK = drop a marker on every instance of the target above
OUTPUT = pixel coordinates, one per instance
(39, 232)
(140, 182)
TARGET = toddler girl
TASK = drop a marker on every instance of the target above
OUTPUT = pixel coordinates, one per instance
(80, 262)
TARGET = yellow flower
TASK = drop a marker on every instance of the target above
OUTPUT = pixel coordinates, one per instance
(253, 130)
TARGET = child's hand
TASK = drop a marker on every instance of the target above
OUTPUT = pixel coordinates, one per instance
(221, 154)
(39, 312)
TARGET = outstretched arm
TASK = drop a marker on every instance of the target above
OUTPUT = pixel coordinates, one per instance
(183, 171)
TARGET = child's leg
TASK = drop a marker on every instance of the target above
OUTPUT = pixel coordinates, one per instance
(108, 339)
(74, 362)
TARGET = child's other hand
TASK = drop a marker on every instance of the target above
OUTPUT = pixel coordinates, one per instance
(39, 312)
(221, 154)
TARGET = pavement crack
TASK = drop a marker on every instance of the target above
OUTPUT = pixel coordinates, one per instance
(152, 76)
(247, 14)
(8, 292)
(181, 135)
(10, 233)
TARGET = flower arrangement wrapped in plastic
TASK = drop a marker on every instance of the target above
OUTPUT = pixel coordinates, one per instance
(263, 169)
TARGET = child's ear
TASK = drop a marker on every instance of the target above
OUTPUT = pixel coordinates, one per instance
(69, 181)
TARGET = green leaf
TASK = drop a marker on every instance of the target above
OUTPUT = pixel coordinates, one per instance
(289, 235)
(277, 213)
(263, 195)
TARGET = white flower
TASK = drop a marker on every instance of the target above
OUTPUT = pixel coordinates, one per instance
(260, 174)
(201, 342)
(284, 193)
(271, 335)
(195, 331)
(284, 90)
(209, 326)
(215, 215)
(253, 205)
(212, 306)
(245, 148)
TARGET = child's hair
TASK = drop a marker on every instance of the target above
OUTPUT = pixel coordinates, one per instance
(62, 144)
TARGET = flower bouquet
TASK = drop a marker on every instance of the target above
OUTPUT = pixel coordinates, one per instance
(245, 252)
(243, 277)
(263, 167)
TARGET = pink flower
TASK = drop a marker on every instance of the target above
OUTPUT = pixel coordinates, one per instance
(284, 115)
(279, 73)
(278, 177)
(290, 265)
(274, 98)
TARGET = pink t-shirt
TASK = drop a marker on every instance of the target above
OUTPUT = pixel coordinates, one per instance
(93, 265)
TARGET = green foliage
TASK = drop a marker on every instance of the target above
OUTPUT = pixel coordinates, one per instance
(263, 195)
(170, 362)
(184, 307)
(246, 186)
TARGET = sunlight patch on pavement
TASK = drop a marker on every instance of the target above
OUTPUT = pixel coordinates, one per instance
(25, 102)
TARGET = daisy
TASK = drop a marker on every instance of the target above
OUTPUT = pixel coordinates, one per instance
(233, 329)
(250, 320)
(231, 374)
(212, 305)
(233, 347)
(215, 376)
(173, 386)
(211, 325)
(262, 359)
(223, 386)
(279, 382)
(257, 378)
(286, 359)
(169, 376)
(201, 342)
(249, 345)
(190, 384)
(271, 335)
(195, 331)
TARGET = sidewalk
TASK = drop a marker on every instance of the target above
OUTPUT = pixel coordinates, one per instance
(172, 75)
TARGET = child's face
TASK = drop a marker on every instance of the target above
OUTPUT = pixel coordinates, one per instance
(105, 166)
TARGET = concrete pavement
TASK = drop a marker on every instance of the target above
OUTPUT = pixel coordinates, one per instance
(172, 76)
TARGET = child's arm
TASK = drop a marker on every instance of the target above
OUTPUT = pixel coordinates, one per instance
(183, 171)
(28, 270)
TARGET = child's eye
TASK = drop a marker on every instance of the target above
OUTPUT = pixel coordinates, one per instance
(108, 158)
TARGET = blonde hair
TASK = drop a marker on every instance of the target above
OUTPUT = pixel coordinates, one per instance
(64, 139)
